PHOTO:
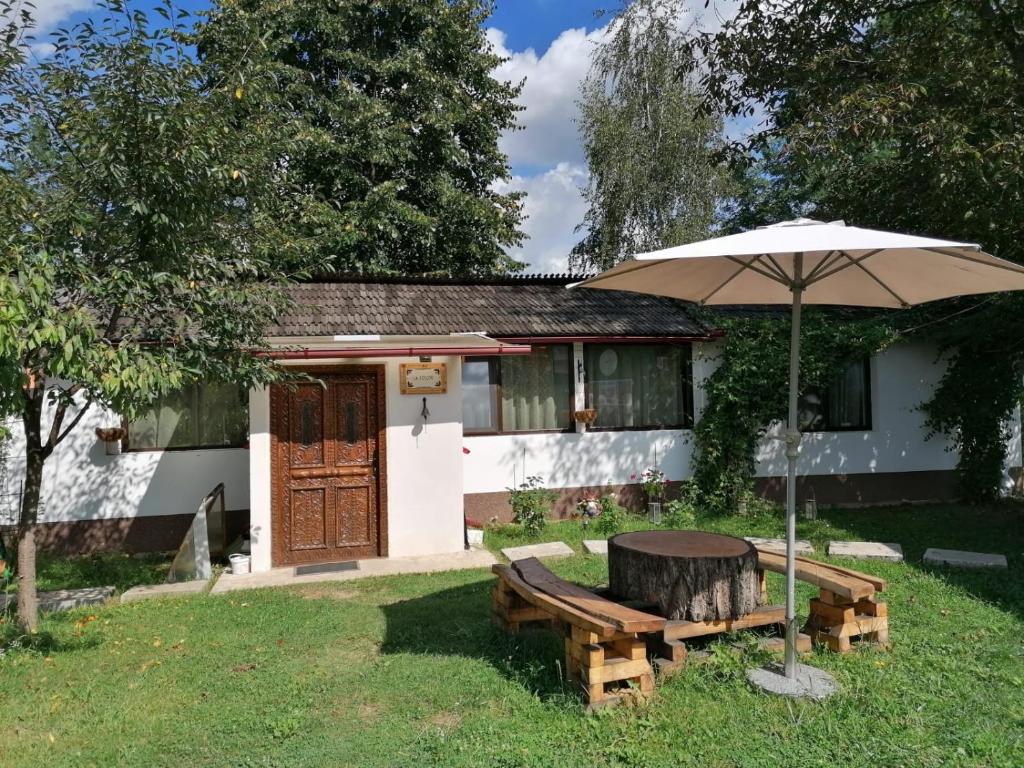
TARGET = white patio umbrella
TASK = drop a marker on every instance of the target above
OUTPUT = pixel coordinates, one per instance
(810, 262)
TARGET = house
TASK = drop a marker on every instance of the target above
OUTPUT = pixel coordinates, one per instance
(427, 399)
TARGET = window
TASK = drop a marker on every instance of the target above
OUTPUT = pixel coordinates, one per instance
(842, 406)
(639, 386)
(199, 416)
(518, 393)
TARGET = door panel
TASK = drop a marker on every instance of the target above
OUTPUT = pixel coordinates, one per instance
(307, 517)
(326, 462)
(356, 515)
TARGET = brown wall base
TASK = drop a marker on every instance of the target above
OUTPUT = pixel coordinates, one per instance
(865, 489)
(483, 507)
(161, 533)
(828, 490)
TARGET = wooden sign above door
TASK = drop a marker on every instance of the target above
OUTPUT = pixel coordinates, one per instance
(423, 378)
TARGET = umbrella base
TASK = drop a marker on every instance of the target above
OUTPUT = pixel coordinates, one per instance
(809, 683)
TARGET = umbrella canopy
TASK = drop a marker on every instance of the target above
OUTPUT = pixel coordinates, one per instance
(841, 265)
(811, 262)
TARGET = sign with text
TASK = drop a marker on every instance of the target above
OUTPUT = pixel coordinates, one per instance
(423, 378)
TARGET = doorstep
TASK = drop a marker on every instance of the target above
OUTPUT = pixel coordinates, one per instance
(355, 569)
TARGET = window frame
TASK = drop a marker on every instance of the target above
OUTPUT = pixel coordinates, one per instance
(494, 362)
(685, 383)
(868, 407)
(126, 446)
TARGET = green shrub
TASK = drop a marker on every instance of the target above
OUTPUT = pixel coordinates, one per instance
(531, 502)
(679, 513)
(612, 516)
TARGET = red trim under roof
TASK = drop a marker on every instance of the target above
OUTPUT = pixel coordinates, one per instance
(608, 339)
(349, 352)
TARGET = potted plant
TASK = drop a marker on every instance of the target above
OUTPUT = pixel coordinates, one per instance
(112, 437)
(587, 510)
(654, 483)
(586, 416)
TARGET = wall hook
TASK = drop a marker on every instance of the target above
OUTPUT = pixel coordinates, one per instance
(425, 413)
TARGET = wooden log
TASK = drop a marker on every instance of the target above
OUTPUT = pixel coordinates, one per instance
(556, 608)
(689, 574)
(829, 578)
(762, 617)
(625, 619)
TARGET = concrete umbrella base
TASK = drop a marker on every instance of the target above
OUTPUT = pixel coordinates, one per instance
(809, 683)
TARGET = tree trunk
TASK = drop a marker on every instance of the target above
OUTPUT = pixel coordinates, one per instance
(28, 599)
(688, 574)
(35, 456)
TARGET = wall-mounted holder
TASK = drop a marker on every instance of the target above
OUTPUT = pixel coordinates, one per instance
(425, 412)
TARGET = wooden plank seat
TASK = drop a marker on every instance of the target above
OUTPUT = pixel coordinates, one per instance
(605, 642)
(846, 607)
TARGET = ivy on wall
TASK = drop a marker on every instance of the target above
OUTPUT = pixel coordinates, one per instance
(981, 386)
(747, 392)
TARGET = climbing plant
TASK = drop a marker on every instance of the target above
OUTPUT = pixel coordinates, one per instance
(982, 383)
(747, 392)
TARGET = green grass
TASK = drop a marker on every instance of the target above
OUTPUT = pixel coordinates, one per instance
(109, 569)
(408, 671)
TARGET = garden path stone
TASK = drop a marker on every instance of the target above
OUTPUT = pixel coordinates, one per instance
(64, 599)
(596, 546)
(866, 550)
(178, 589)
(547, 549)
(963, 559)
(803, 547)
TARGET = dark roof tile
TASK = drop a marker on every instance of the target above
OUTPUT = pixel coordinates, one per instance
(504, 308)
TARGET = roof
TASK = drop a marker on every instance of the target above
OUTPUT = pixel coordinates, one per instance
(509, 307)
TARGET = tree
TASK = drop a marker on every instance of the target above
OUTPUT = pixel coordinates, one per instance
(654, 181)
(898, 114)
(399, 118)
(142, 214)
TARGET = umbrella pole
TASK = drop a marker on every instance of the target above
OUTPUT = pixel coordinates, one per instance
(792, 451)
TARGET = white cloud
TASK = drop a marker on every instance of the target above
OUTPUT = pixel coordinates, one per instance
(553, 207)
(48, 14)
(548, 97)
(549, 137)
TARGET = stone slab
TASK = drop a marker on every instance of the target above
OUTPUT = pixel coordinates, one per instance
(803, 547)
(152, 591)
(356, 569)
(867, 550)
(64, 599)
(809, 683)
(963, 559)
(596, 546)
(547, 549)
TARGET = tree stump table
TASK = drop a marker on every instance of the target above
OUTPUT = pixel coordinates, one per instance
(689, 575)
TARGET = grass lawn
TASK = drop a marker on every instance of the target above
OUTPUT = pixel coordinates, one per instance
(101, 570)
(408, 670)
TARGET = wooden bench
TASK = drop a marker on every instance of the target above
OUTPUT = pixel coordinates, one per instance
(605, 642)
(846, 607)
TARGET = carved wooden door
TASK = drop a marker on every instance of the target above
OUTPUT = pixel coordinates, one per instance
(327, 466)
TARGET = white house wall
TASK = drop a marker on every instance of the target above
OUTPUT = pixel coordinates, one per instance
(81, 482)
(902, 378)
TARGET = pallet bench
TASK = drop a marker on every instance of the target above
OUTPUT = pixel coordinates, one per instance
(846, 607)
(605, 642)
(612, 649)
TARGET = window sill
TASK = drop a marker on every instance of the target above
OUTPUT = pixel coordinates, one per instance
(523, 432)
(244, 447)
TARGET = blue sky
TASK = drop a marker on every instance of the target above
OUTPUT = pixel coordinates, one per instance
(547, 42)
